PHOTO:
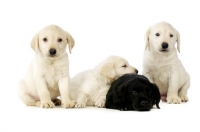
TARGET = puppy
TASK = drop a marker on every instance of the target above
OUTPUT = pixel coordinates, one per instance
(132, 92)
(161, 64)
(89, 88)
(48, 75)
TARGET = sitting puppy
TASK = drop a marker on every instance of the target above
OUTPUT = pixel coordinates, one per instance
(48, 74)
(132, 92)
(161, 64)
(90, 87)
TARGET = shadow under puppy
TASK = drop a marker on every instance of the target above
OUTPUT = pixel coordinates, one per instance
(132, 92)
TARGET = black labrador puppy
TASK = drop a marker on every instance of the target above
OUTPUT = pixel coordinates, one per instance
(132, 92)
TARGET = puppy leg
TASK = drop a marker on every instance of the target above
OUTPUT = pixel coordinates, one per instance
(183, 92)
(81, 100)
(172, 94)
(64, 91)
(173, 99)
(100, 102)
(100, 99)
(43, 92)
(26, 98)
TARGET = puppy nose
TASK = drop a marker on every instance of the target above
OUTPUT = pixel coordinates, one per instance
(136, 71)
(144, 103)
(164, 45)
(52, 51)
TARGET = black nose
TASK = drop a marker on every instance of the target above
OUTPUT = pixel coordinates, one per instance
(136, 71)
(144, 103)
(52, 51)
(164, 45)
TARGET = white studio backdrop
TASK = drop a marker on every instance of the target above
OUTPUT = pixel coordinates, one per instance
(100, 28)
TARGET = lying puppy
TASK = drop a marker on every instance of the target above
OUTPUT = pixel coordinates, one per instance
(161, 64)
(48, 75)
(90, 87)
(132, 92)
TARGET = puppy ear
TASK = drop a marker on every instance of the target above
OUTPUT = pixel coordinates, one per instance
(107, 70)
(178, 41)
(156, 95)
(147, 38)
(119, 96)
(35, 42)
(70, 41)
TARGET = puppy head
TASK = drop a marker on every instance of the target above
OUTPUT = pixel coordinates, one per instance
(114, 67)
(138, 94)
(52, 41)
(162, 38)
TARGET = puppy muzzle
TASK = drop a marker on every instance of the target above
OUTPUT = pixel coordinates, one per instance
(164, 47)
(52, 52)
(143, 105)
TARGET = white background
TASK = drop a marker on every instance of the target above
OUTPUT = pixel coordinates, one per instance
(100, 28)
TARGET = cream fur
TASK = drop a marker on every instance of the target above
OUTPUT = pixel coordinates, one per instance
(48, 76)
(164, 68)
(90, 87)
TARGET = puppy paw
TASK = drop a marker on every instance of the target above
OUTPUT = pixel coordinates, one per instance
(80, 105)
(92, 103)
(184, 98)
(123, 109)
(100, 104)
(173, 100)
(37, 103)
(68, 104)
(56, 102)
(48, 104)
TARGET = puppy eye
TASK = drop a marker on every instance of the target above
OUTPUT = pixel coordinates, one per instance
(171, 35)
(45, 39)
(124, 65)
(157, 34)
(59, 40)
(134, 93)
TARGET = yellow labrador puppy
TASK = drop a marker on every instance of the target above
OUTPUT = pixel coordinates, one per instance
(161, 64)
(48, 75)
(90, 87)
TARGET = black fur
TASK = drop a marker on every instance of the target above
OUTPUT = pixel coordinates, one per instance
(132, 92)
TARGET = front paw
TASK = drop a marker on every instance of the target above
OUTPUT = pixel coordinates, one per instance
(173, 100)
(68, 104)
(80, 105)
(100, 104)
(184, 98)
(47, 104)
(123, 109)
